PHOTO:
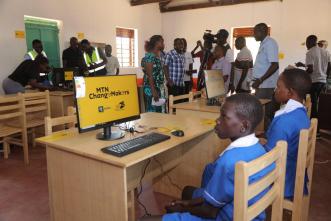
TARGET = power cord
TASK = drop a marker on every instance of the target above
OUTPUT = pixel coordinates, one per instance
(167, 175)
(141, 189)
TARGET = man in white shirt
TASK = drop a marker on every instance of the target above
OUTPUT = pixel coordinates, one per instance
(318, 66)
(243, 67)
(222, 64)
(188, 66)
(112, 66)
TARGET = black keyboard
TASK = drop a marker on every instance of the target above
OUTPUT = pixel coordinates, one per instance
(135, 144)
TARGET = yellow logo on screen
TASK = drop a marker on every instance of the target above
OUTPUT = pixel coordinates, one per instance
(107, 99)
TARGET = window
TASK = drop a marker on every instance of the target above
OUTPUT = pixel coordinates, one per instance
(125, 39)
(251, 43)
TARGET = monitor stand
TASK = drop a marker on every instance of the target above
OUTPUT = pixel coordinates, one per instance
(107, 134)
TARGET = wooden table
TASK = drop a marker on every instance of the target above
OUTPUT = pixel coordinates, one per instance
(87, 184)
(200, 105)
(60, 101)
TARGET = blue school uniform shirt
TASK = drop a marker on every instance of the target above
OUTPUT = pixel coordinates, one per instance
(286, 125)
(217, 186)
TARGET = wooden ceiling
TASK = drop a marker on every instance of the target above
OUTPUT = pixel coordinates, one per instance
(179, 5)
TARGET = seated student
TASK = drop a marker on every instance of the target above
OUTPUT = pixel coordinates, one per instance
(291, 90)
(240, 114)
(222, 64)
(27, 73)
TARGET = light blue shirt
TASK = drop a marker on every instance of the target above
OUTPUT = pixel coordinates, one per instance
(268, 53)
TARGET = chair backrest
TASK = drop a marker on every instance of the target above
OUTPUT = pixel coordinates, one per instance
(68, 121)
(172, 100)
(305, 162)
(12, 109)
(37, 105)
(244, 191)
(307, 103)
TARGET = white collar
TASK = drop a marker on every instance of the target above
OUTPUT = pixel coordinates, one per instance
(220, 59)
(291, 105)
(245, 141)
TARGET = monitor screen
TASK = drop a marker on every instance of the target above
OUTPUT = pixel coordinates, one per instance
(214, 83)
(62, 76)
(106, 100)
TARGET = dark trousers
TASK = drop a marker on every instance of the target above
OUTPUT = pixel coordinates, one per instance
(315, 91)
(271, 107)
(188, 86)
(176, 90)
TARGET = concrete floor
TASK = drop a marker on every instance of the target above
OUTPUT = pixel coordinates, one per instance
(24, 193)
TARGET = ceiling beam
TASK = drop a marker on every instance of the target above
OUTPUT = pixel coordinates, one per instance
(164, 8)
(142, 2)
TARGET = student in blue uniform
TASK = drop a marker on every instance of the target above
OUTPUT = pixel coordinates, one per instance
(292, 87)
(240, 115)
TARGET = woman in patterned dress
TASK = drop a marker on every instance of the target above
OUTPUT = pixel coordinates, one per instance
(152, 67)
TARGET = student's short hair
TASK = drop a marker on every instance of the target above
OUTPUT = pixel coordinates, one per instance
(85, 41)
(241, 40)
(223, 33)
(262, 27)
(177, 39)
(36, 41)
(297, 80)
(312, 39)
(247, 107)
(184, 41)
(73, 38)
(41, 59)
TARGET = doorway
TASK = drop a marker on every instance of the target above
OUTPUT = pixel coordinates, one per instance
(48, 32)
(251, 43)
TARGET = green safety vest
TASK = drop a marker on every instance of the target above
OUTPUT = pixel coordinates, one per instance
(94, 59)
(33, 54)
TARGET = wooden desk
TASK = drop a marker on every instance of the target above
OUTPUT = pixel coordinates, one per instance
(60, 101)
(86, 184)
(213, 112)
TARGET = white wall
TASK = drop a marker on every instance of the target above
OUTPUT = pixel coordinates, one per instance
(291, 22)
(97, 19)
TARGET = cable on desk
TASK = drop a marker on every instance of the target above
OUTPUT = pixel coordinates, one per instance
(167, 175)
(141, 189)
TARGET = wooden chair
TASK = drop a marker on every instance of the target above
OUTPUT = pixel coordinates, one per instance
(67, 121)
(307, 103)
(305, 162)
(172, 100)
(244, 191)
(37, 107)
(12, 110)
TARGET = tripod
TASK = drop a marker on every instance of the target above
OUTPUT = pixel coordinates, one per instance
(201, 77)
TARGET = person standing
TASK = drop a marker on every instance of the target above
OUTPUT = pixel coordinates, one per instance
(112, 66)
(318, 67)
(154, 87)
(174, 67)
(243, 67)
(38, 49)
(72, 57)
(266, 70)
(222, 64)
(188, 68)
(95, 60)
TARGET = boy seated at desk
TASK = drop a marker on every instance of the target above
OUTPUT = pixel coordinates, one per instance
(240, 114)
(291, 90)
(222, 64)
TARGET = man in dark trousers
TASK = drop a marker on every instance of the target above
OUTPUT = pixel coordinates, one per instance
(72, 56)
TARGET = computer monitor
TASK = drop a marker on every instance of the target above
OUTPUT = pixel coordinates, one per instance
(104, 101)
(214, 83)
(63, 77)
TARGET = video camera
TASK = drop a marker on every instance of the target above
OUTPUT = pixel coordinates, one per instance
(209, 38)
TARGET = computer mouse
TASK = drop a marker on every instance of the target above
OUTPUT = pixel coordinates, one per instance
(178, 133)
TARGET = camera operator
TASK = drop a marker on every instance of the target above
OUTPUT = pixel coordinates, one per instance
(222, 37)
